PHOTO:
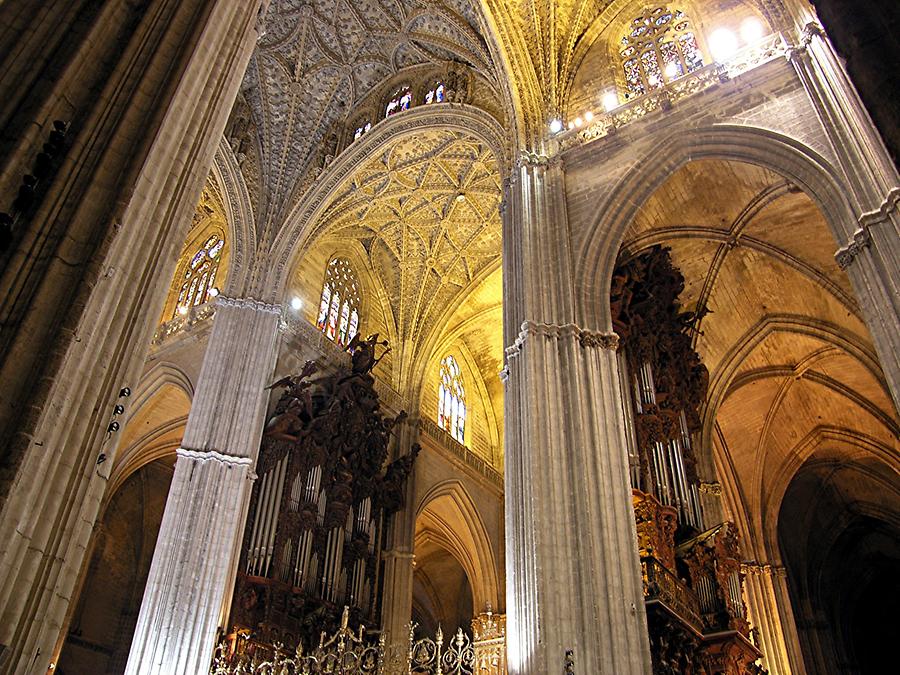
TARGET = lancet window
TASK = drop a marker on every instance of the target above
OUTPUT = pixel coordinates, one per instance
(435, 94)
(660, 45)
(362, 129)
(452, 400)
(199, 283)
(401, 100)
(339, 308)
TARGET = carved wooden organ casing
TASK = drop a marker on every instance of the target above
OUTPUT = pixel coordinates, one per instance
(319, 511)
(693, 584)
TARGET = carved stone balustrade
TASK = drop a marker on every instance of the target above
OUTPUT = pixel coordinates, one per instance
(745, 60)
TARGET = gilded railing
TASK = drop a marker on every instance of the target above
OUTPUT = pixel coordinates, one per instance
(752, 56)
(660, 584)
(349, 652)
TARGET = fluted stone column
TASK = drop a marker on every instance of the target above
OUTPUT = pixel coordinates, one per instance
(572, 572)
(396, 609)
(770, 612)
(871, 252)
(146, 88)
(192, 570)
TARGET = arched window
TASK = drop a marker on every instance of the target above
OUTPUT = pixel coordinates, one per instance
(199, 283)
(659, 46)
(400, 101)
(435, 94)
(452, 400)
(339, 309)
(362, 129)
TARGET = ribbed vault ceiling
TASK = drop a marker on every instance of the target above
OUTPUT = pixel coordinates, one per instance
(426, 211)
(790, 359)
(319, 58)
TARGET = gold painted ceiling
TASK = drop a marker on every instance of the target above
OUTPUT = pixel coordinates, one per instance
(319, 58)
(426, 211)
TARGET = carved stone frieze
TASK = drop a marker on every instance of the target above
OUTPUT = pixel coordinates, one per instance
(248, 303)
(586, 338)
(214, 456)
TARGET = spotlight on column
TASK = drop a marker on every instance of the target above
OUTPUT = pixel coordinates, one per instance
(556, 126)
(751, 30)
(588, 117)
(124, 392)
(213, 292)
(610, 101)
(183, 310)
(722, 44)
(296, 303)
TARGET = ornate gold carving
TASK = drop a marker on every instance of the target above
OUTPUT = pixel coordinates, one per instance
(656, 525)
(763, 569)
(489, 643)
(713, 488)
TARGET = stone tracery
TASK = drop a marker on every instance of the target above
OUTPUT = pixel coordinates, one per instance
(319, 59)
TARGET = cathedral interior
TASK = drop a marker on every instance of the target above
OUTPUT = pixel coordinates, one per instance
(449, 336)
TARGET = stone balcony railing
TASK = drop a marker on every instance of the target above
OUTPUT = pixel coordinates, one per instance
(454, 447)
(310, 336)
(604, 124)
(197, 317)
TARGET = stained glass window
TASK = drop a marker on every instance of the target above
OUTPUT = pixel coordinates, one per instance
(435, 95)
(361, 129)
(400, 101)
(659, 46)
(452, 400)
(199, 283)
(339, 309)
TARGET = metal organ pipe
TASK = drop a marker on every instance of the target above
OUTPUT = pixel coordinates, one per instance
(313, 479)
(254, 536)
(634, 463)
(303, 551)
(271, 523)
(296, 493)
(322, 503)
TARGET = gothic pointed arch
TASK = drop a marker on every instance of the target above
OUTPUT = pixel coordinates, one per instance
(800, 163)
(447, 514)
(203, 262)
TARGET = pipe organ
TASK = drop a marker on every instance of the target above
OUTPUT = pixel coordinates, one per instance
(320, 506)
(693, 584)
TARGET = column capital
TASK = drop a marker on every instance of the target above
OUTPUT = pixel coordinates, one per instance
(586, 338)
(885, 210)
(846, 254)
(808, 32)
(213, 456)
(531, 159)
(763, 569)
(248, 303)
